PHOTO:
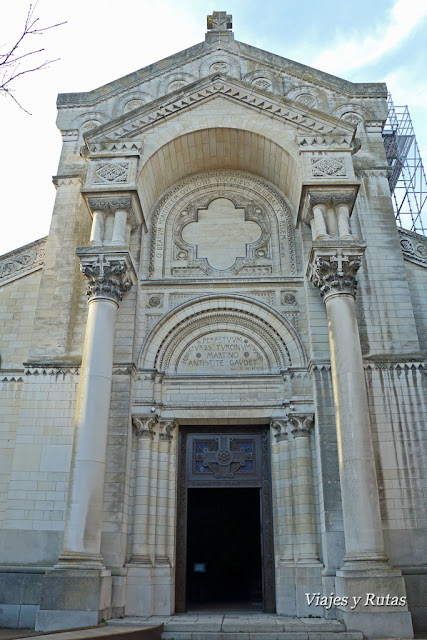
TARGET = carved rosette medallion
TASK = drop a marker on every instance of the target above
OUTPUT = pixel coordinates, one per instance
(335, 274)
(108, 277)
(302, 424)
(224, 457)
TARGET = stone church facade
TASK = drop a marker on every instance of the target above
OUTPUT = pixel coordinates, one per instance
(189, 326)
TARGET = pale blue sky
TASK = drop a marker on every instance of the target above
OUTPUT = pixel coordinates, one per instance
(367, 41)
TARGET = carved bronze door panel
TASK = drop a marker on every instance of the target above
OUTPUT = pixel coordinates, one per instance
(212, 457)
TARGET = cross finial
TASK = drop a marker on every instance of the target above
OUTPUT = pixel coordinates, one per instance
(220, 21)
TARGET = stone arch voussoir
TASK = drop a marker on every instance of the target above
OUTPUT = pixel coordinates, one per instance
(274, 336)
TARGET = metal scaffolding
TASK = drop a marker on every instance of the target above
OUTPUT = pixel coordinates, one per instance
(408, 184)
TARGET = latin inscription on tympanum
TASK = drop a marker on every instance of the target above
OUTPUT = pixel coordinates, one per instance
(222, 352)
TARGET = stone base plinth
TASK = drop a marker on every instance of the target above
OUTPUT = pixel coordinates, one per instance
(74, 598)
(293, 582)
(139, 590)
(163, 590)
(377, 603)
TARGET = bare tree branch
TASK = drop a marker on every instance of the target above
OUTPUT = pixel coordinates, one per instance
(12, 63)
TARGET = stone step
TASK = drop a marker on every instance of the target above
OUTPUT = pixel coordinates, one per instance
(247, 627)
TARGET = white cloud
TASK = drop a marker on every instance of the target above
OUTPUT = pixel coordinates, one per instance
(357, 51)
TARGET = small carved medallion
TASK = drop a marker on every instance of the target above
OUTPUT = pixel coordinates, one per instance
(155, 301)
(219, 67)
(264, 84)
(177, 84)
(111, 172)
(134, 104)
(288, 298)
(306, 99)
(328, 166)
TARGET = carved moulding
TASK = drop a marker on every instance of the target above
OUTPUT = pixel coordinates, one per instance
(252, 320)
(22, 261)
(330, 196)
(333, 269)
(109, 203)
(109, 273)
(414, 247)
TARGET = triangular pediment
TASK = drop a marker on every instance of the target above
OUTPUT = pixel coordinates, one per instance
(233, 51)
(305, 120)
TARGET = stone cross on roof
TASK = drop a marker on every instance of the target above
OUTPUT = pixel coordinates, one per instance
(220, 21)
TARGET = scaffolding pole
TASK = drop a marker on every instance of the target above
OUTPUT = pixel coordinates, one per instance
(407, 180)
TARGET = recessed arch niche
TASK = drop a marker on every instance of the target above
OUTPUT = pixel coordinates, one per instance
(264, 243)
(168, 157)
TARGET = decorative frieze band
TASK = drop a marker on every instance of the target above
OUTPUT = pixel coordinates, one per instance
(22, 261)
(414, 247)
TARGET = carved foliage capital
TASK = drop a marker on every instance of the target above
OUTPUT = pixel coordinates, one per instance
(280, 427)
(108, 277)
(302, 424)
(335, 273)
(109, 204)
(144, 426)
(166, 428)
(330, 200)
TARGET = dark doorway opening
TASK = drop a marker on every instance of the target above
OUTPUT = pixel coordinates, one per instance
(224, 550)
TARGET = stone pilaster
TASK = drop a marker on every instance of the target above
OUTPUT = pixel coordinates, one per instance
(365, 569)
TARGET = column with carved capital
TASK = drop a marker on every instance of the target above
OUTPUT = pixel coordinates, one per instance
(139, 585)
(79, 586)
(284, 524)
(282, 486)
(109, 276)
(144, 430)
(365, 569)
(303, 484)
(163, 584)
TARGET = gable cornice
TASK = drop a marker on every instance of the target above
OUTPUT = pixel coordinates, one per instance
(240, 49)
(130, 126)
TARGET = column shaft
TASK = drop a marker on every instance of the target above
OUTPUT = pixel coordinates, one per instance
(140, 551)
(119, 229)
(304, 506)
(285, 490)
(97, 230)
(82, 535)
(361, 510)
